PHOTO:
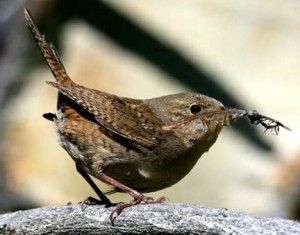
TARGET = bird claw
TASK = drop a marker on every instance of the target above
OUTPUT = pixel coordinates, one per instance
(90, 201)
(150, 200)
(137, 200)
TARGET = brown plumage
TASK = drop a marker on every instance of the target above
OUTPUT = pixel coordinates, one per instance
(134, 145)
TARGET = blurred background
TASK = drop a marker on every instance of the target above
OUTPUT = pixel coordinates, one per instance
(244, 53)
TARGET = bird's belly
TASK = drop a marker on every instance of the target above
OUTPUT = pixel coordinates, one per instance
(152, 174)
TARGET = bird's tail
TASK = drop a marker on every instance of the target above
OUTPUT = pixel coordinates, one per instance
(48, 51)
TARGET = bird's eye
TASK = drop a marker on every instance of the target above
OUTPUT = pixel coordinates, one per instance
(194, 108)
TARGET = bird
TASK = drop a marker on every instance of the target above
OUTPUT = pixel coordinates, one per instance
(135, 145)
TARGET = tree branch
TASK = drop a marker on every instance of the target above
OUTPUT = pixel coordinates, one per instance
(141, 219)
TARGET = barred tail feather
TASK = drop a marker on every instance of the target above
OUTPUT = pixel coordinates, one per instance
(48, 51)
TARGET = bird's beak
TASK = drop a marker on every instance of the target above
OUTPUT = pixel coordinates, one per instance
(216, 119)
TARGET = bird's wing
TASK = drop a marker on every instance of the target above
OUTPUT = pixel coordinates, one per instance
(129, 118)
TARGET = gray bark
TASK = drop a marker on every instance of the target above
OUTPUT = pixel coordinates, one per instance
(142, 219)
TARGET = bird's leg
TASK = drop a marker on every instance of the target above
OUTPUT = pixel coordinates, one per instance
(90, 200)
(137, 197)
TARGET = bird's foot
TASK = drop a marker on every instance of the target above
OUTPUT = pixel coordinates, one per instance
(90, 201)
(138, 199)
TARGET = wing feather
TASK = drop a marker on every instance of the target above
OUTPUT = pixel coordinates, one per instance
(129, 118)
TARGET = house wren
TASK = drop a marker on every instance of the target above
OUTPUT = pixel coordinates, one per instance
(135, 145)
